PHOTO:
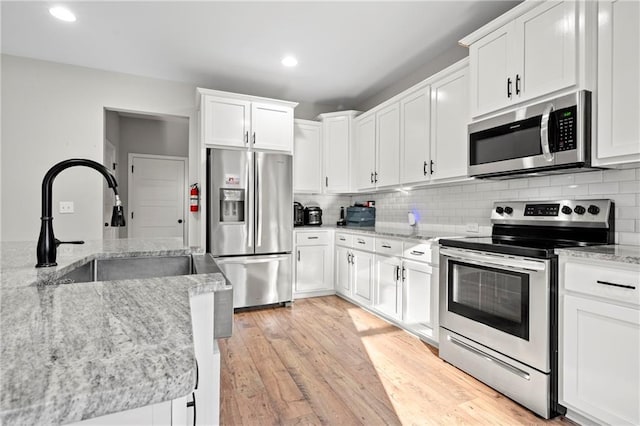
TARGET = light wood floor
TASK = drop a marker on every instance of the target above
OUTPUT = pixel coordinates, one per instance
(326, 361)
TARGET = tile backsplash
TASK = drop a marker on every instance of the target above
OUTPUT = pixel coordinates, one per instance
(451, 207)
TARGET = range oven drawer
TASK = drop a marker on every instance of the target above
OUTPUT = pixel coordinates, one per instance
(519, 382)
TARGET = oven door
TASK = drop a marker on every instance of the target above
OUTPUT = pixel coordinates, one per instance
(499, 301)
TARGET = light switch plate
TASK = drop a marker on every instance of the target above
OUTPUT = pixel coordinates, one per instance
(66, 207)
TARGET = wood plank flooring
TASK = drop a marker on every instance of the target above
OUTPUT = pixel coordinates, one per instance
(326, 361)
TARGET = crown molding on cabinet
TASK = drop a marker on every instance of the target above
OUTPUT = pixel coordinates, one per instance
(219, 93)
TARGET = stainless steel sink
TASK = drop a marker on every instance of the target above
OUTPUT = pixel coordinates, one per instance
(127, 268)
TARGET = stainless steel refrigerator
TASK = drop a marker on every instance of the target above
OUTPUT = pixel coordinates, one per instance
(250, 223)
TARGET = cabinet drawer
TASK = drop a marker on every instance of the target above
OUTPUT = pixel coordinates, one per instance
(388, 247)
(361, 242)
(312, 238)
(344, 239)
(420, 252)
(603, 280)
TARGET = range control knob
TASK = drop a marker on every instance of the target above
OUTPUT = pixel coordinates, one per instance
(499, 210)
(593, 209)
(566, 210)
(579, 209)
(508, 210)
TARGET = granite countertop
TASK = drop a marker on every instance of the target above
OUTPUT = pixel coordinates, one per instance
(419, 235)
(75, 351)
(612, 252)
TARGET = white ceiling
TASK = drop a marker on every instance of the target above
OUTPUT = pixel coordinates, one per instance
(347, 51)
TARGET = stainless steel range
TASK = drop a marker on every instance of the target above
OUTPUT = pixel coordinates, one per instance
(498, 295)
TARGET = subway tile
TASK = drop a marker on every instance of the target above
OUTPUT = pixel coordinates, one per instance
(637, 225)
(518, 183)
(470, 188)
(561, 180)
(629, 238)
(630, 186)
(551, 192)
(539, 181)
(624, 199)
(528, 193)
(589, 177)
(626, 225)
(619, 175)
(626, 212)
(604, 188)
(573, 190)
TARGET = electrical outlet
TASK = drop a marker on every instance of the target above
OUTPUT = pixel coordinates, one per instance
(66, 207)
(472, 227)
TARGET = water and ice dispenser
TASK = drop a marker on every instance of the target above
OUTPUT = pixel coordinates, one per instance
(232, 205)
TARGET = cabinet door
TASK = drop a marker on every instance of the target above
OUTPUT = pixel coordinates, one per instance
(449, 118)
(419, 303)
(271, 127)
(388, 146)
(387, 285)
(313, 267)
(600, 349)
(546, 52)
(307, 158)
(618, 81)
(363, 277)
(225, 122)
(343, 271)
(364, 160)
(414, 136)
(336, 137)
(490, 68)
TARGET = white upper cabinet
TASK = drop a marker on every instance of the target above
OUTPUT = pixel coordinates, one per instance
(414, 136)
(534, 54)
(364, 163)
(449, 118)
(225, 121)
(618, 103)
(337, 130)
(271, 127)
(387, 170)
(307, 156)
(242, 121)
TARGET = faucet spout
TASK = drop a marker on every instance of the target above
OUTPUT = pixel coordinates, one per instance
(47, 245)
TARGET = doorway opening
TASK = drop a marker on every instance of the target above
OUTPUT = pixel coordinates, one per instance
(157, 146)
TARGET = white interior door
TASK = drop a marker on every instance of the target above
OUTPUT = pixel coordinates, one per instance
(157, 188)
(108, 199)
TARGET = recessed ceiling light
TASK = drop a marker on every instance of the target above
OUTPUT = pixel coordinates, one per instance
(63, 14)
(289, 61)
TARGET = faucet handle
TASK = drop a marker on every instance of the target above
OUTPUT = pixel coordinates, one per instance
(58, 242)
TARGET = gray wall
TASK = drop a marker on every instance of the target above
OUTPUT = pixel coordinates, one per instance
(148, 136)
(51, 112)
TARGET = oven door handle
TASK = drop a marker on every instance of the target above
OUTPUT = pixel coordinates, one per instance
(494, 261)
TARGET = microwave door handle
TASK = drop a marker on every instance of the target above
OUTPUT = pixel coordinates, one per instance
(544, 133)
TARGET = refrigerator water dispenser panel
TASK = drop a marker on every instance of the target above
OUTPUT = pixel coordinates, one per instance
(231, 205)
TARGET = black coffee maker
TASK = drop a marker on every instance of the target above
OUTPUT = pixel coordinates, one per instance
(342, 221)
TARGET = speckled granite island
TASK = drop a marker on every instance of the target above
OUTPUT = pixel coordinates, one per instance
(75, 351)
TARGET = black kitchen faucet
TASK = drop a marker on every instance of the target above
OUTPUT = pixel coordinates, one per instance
(47, 243)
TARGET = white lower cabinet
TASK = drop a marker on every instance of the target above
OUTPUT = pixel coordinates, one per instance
(314, 264)
(420, 305)
(388, 286)
(343, 272)
(362, 264)
(599, 342)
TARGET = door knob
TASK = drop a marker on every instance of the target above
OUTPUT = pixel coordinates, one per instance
(179, 220)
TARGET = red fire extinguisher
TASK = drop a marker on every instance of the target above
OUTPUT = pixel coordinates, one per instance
(194, 197)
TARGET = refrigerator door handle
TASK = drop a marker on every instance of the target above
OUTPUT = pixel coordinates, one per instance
(250, 208)
(246, 261)
(258, 202)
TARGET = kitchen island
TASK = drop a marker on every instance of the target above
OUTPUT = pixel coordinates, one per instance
(75, 351)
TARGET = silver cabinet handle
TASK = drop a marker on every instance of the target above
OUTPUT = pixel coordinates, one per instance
(254, 138)
(512, 369)
(417, 253)
(544, 133)
(298, 255)
(404, 273)
(246, 137)
(631, 287)
(361, 241)
(312, 238)
(386, 246)
(397, 273)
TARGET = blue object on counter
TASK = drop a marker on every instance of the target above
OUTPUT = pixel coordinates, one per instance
(361, 216)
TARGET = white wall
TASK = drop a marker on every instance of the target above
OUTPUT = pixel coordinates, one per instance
(148, 136)
(51, 112)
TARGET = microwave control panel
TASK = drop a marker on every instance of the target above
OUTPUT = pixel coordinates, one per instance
(565, 129)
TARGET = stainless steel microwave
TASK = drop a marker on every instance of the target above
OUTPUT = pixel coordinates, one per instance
(549, 136)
